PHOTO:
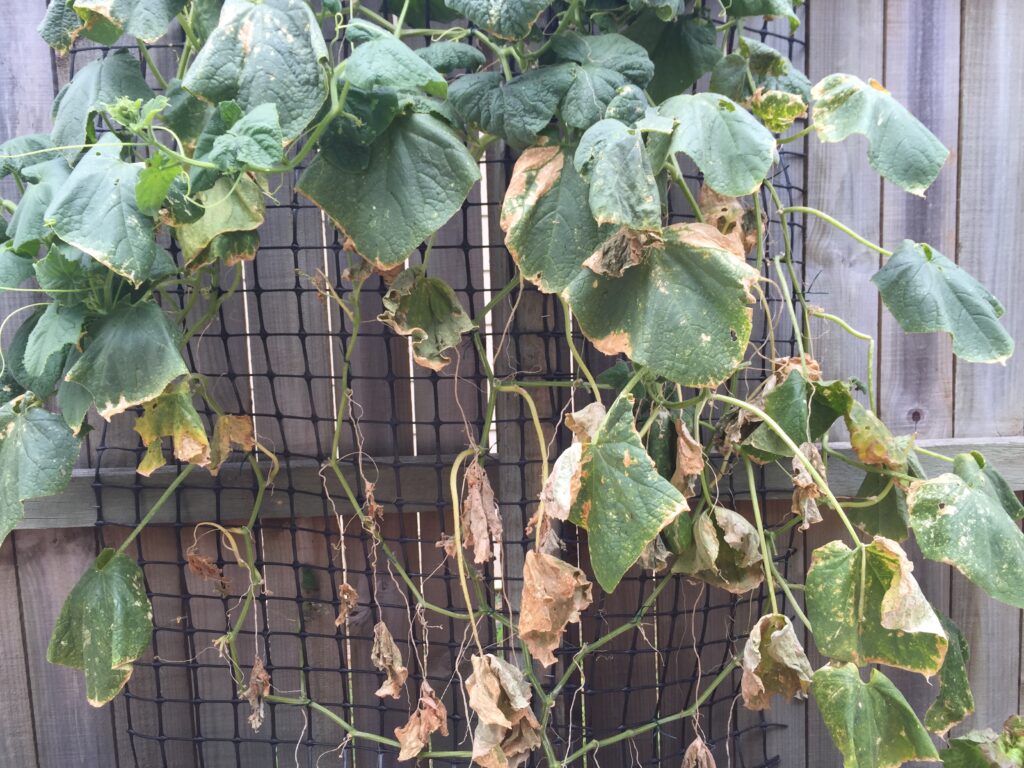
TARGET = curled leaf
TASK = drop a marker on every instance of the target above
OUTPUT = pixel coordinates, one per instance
(689, 460)
(230, 431)
(805, 491)
(430, 717)
(387, 658)
(172, 415)
(725, 552)
(507, 730)
(348, 601)
(698, 755)
(256, 691)
(563, 481)
(873, 442)
(554, 593)
(481, 523)
(774, 662)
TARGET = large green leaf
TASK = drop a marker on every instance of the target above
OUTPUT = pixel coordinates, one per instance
(731, 149)
(865, 606)
(37, 453)
(267, 51)
(682, 311)
(147, 19)
(447, 56)
(516, 111)
(101, 82)
(622, 501)
(682, 51)
(416, 177)
(23, 151)
(96, 211)
(427, 310)
(959, 518)
(507, 19)
(955, 700)
(549, 229)
(871, 723)
(58, 328)
(888, 516)
(623, 191)
(140, 333)
(604, 64)
(928, 293)
(387, 62)
(106, 624)
(27, 228)
(900, 148)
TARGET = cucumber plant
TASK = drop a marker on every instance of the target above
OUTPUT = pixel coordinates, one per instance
(598, 101)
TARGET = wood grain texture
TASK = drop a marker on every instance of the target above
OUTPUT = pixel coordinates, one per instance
(17, 739)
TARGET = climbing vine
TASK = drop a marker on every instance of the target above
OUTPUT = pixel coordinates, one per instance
(597, 101)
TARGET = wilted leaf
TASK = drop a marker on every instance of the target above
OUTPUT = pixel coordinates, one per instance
(427, 310)
(172, 415)
(805, 490)
(105, 624)
(871, 723)
(256, 691)
(206, 569)
(774, 662)
(348, 601)
(726, 552)
(230, 432)
(682, 51)
(507, 19)
(430, 717)
(622, 501)
(764, 80)
(230, 207)
(481, 523)
(988, 749)
(554, 593)
(865, 606)
(387, 658)
(900, 148)
(955, 700)
(507, 730)
(698, 755)
(777, 109)
(959, 518)
(872, 441)
(689, 460)
(730, 217)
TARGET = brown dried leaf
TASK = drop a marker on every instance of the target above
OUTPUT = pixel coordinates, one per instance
(447, 543)
(430, 716)
(655, 556)
(774, 662)
(559, 490)
(204, 567)
(783, 366)
(387, 658)
(805, 491)
(689, 461)
(481, 522)
(730, 217)
(256, 691)
(373, 510)
(585, 422)
(554, 593)
(230, 431)
(698, 755)
(507, 730)
(348, 599)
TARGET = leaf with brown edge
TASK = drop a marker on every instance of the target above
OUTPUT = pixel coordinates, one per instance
(774, 662)
(230, 431)
(698, 755)
(348, 601)
(805, 491)
(725, 552)
(507, 730)
(563, 481)
(955, 700)
(554, 593)
(387, 658)
(481, 523)
(172, 415)
(730, 217)
(872, 441)
(430, 717)
(689, 460)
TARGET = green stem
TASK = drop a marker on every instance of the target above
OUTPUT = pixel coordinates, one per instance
(457, 532)
(934, 454)
(576, 353)
(789, 596)
(863, 337)
(870, 501)
(168, 493)
(838, 225)
(765, 555)
(150, 63)
(867, 467)
(677, 176)
(805, 330)
(496, 299)
(796, 136)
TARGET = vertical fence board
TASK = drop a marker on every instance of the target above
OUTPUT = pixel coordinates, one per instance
(16, 737)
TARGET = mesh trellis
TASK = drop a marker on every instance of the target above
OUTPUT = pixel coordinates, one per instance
(274, 351)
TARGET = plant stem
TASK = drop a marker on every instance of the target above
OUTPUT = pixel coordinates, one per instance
(457, 532)
(168, 493)
(863, 337)
(496, 299)
(796, 136)
(765, 554)
(789, 596)
(787, 242)
(542, 445)
(838, 225)
(576, 353)
(934, 454)
(677, 176)
(150, 63)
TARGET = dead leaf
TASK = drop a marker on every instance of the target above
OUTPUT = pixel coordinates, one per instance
(783, 366)
(557, 495)
(548, 541)
(698, 755)
(774, 662)
(430, 717)
(554, 593)
(387, 658)
(256, 691)
(447, 543)
(230, 431)
(904, 606)
(689, 461)
(585, 422)
(204, 567)
(805, 491)
(730, 217)
(372, 509)
(507, 730)
(655, 556)
(348, 599)
(481, 523)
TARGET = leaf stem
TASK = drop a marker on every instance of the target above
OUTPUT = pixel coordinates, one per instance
(838, 225)
(460, 559)
(789, 596)
(677, 176)
(863, 337)
(591, 382)
(765, 555)
(934, 454)
(168, 493)
(796, 136)
(150, 63)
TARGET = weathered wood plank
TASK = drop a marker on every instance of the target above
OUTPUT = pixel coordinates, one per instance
(17, 739)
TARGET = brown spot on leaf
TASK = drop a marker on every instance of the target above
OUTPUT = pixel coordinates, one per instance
(805, 491)
(774, 662)
(535, 173)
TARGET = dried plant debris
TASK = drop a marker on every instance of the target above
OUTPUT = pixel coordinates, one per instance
(205, 568)
(256, 691)
(774, 662)
(230, 432)
(430, 717)
(387, 658)
(698, 755)
(554, 593)
(689, 460)
(348, 602)
(481, 523)
(805, 491)
(507, 730)
(726, 552)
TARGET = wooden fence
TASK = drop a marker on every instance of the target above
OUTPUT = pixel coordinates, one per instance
(958, 67)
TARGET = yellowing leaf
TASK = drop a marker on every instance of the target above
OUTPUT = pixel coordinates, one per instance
(873, 442)
(774, 662)
(430, 717)
(554, 593)
(229, 432)
(172, 415)
(387, 658)
(507, 730)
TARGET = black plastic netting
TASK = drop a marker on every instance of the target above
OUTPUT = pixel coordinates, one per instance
(274, 351)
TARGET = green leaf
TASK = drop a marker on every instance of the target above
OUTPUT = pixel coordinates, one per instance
(140, 333)
(999, 488)
(682, 51)
(57, 328)
(205, 17)
(229, 207)
(66, 273)
(447, 56)
(267, 51)
(623, 191)
(106, 624)
(14, 269)
(959, 518)
(60, 26)
(866, 607)
(235, 143)
(928, 293)
(629, 105)
(774, 662)
(416, 177)
(507, 19)
(27, 228)
(374, 110)
(427, 310)
(887, 517)
(549, 229)
(37, 453)
(755, 66)
(988, 749)
(96, 211)
(73, 399)
(955, 700)
(622, 501)
(98, 83)
(731, 149)
(682, 311)
(516, 111)
(154, 183)
(23, 151)
(738, 9)
(726, 552)
(604, 64)
(900, 148)
(871, 723)
(387, 62)
(184, 113)
(146, 19)
(45, 383)
(172, 415)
